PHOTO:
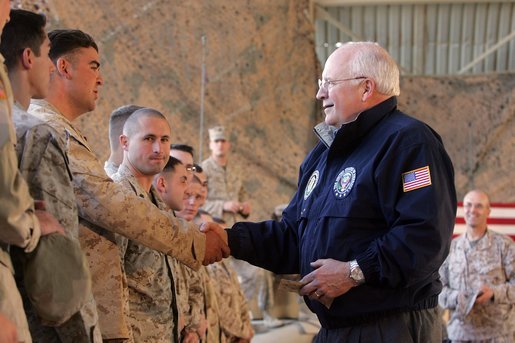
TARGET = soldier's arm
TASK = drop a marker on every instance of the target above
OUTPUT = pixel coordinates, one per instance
(196, 302)
(246, 329)
(108, 205)
(448, 298)
(43, 163)
(18, 221)
(215, 208)
(504, 293)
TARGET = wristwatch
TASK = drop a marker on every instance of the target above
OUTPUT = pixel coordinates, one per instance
(355, 273)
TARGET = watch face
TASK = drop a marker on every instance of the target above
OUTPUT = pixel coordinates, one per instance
(356, 274)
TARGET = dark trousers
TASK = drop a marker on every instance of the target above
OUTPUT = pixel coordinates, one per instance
(422, 326)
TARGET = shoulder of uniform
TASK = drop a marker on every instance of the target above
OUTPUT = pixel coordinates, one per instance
(501, 237)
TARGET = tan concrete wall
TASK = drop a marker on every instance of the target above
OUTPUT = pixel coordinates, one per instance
(261, 81)
(475, 115)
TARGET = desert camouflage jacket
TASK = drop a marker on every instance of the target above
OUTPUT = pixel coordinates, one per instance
(233, 311)
(18, 224)
(490, 261)
(106, 208)
(224, 185)
(43, 162)
(153, 303)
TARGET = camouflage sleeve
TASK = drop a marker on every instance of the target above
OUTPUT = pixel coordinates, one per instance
(108, 205)
(504, 293)
(196, 302)
(448, 298)
(233, 310)
(246, 329)
(215, 208)
(18, 221)
(242, 193)
(44, 164)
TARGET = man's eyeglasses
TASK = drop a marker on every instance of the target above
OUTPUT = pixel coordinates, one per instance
(324, 84)
(191, 168)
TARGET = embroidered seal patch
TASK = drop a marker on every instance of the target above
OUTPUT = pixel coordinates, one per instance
(344, 182)
(312, 183)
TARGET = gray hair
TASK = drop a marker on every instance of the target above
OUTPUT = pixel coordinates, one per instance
(371, 60)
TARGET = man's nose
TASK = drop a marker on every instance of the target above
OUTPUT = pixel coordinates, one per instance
(100, 80)
(321, 93)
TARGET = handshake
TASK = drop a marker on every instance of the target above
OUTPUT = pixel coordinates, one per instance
(216, 243)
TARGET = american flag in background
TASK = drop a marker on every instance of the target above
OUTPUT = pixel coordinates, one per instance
(501, 219)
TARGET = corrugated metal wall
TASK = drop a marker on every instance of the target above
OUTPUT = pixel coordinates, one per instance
(426, 39)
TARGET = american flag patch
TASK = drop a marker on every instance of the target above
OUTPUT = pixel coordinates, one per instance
(416, 179)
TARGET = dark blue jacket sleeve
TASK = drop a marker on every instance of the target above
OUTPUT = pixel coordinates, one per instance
(274, 245)
(421, 221)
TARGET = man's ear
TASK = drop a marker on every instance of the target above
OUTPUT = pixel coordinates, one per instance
(369, 87)
(27, 58)
(124, 142)
(160, 184)
(63, 67)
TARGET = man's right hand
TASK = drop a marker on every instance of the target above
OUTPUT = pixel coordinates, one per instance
(47, 222)
(232, 206)
(7, 331)
(210, 226)
(216, 248)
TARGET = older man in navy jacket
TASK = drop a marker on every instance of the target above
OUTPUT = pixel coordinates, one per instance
(373, 216)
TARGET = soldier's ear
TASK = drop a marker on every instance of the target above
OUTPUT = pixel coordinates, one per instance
(63, 67)
(27, 58)
(124, 142)
(161, 184)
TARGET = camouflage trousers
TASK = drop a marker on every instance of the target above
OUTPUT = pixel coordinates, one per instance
(11, 304)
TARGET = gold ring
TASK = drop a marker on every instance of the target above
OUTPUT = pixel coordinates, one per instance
(318, 295)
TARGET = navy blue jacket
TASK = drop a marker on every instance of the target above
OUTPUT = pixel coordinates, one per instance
(357, 208)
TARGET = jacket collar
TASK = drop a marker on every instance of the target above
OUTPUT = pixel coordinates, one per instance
(47, 112)
(348, 135)
(125, 173)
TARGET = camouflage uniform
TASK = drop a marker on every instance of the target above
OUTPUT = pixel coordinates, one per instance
(153, 311)
(232, 307)
(106, 208)
(211, 308)
(43, 162)
(18, 224)
(490, 261)
(110, 168)
(190, 297)
(224, 185)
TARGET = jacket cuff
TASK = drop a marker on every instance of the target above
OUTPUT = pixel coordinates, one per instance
(368, 263)
(234, 241)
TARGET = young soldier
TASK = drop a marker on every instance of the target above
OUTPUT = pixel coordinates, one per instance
(152, 307)
(106, 208)
(25, 45)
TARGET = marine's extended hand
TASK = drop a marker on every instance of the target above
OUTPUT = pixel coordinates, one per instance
(216, 243)
(47, 222)
(8, 330)
(329, 280)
